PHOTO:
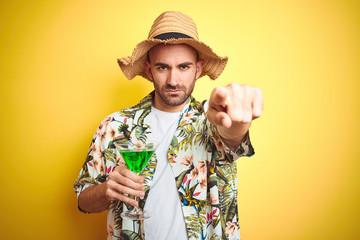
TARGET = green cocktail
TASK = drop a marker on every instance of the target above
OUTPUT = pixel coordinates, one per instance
(136, 155)
(136, 161)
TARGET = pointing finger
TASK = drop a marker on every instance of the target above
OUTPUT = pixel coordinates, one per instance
(219, 96)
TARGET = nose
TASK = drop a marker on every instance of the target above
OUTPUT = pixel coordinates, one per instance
(173, 78)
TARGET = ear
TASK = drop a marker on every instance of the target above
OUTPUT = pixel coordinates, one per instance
(147, 67)
(199, 67)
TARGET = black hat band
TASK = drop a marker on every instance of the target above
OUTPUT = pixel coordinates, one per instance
(171, 35)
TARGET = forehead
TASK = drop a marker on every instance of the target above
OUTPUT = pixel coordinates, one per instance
(172, 51)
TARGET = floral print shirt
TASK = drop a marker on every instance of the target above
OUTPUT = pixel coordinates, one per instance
(204, 169)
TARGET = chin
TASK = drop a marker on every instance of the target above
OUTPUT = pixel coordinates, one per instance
(175, 101)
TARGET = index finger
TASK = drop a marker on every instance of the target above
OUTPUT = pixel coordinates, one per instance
(129, 174)
(219, 96)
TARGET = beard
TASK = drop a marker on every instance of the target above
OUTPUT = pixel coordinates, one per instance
(174, 99)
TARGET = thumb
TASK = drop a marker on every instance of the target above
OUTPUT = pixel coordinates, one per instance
(219, 118)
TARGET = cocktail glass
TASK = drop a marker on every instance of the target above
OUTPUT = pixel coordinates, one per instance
(136, 155)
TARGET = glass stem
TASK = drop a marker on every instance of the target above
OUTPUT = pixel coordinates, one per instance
(137, 199)
(136, 210)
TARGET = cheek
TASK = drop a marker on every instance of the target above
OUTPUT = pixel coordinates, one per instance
(160, 79)
(190, 77)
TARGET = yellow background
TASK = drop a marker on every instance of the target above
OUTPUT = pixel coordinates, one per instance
(59, 79)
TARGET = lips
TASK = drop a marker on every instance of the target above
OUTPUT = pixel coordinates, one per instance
(173, 91)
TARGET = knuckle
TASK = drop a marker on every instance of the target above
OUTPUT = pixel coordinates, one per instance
(136, 193)
(127, 182)
(238, 119)
(246, 88)
(243, 120)
(110, 184)
(247, 118)
(127, 200)
(112, 174)
(257, 113)
(125, 172)
(247, 108)
(112, 178)
(244, 117)
(120, 169)
(258, 91)
(233, 85)
(122, 197)
(109, 194)
(120, 189)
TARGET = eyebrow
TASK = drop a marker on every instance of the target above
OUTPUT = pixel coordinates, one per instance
(167, 65)
(161, 64)
(185, 63)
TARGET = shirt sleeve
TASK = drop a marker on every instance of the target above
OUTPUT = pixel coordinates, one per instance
(244, 149)
(99, 161)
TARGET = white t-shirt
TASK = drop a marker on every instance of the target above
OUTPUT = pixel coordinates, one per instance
(163, 203)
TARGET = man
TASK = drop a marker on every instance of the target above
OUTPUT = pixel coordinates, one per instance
(189, 185)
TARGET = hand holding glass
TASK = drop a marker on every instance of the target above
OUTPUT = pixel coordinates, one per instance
(136, 155)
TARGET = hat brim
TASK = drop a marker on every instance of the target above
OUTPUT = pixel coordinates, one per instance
(134, 65)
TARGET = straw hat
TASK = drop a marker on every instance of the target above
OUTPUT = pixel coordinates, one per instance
(172, 28)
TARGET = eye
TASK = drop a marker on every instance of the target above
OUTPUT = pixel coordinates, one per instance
(184, 66)
(162, 68)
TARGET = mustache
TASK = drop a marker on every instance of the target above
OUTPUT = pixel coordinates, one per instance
(176, 87)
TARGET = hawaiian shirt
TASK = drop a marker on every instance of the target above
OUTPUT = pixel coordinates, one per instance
(204, 169)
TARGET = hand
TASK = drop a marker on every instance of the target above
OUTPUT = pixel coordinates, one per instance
(232, 109)
(123, 181)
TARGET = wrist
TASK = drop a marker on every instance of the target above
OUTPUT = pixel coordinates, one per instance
(233, 141)
(104, 199)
